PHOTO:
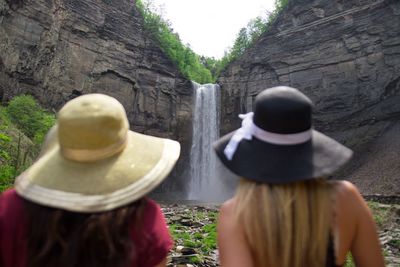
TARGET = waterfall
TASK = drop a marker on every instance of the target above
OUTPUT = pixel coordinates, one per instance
(203, 161)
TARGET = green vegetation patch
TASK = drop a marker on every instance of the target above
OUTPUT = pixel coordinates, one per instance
(349, 261)
(23, 125)
(195, 231)
(380, 212)
(183, 57)
(198, 68)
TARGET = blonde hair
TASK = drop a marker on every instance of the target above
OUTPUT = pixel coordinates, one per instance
(288, 224)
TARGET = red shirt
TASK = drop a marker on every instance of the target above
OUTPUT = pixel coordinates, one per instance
(153, 242)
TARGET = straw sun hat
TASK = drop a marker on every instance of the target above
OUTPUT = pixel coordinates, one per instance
(92, 162)
(277, 144)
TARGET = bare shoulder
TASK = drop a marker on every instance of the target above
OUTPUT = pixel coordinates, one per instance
(226, 212)
(347, 194)
(346, 188)
(228, 206)
(348, 201)
(350, 205)
(356, 227)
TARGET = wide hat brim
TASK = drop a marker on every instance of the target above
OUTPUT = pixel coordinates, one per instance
(102, 185)
(264, 162)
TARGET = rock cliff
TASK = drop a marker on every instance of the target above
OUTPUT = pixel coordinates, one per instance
(56, 50)
(345, 55)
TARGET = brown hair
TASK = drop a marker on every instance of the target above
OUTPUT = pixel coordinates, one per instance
(286, 225)
(62, 238)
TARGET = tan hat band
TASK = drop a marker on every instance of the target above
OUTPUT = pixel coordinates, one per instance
(89, 155)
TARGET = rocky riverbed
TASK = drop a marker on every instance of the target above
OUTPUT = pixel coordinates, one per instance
(194, 231)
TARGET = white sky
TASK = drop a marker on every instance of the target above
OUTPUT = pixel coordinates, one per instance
(211, 26)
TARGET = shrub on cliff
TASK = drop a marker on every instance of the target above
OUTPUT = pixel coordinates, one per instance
(29, 117)
(23, 125)
(184, 58)
(248, 35)
(200, 68)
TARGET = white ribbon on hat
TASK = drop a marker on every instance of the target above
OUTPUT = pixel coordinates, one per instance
(249, 129)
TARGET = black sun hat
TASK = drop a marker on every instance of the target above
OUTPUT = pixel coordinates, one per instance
(277, 144)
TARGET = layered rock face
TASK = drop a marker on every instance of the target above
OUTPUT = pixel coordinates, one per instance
(56, 50)
(345, 55)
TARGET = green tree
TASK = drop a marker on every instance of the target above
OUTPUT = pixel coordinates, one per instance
(211, 64)
(181, 55)
(255, 28)
(280, 4)
(200, 68)
(248, 35)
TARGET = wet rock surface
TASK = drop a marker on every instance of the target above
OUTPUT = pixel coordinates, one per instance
(188, 222)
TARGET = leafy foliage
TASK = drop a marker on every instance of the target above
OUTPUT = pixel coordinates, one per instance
(29, 117)
(184, 58)
(6, 176)
(248, 35)
(200, 68)
(6, 170)
(349, 261)
(281, 4)
(22, 119)
(245, 38)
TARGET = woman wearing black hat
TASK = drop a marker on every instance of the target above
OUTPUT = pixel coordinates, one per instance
(285, 212)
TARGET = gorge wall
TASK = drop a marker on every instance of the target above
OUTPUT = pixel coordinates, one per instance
(345, 55)
(56, 50)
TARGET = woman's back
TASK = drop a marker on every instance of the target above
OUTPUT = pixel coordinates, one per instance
(351, 229)
(150, 238)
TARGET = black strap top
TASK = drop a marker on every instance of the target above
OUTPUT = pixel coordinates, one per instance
(330, 256)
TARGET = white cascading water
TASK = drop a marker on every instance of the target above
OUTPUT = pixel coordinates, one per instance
(204, 181)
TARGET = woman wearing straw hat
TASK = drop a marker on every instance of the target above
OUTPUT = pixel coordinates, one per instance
(82, 203)
(285, 212)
